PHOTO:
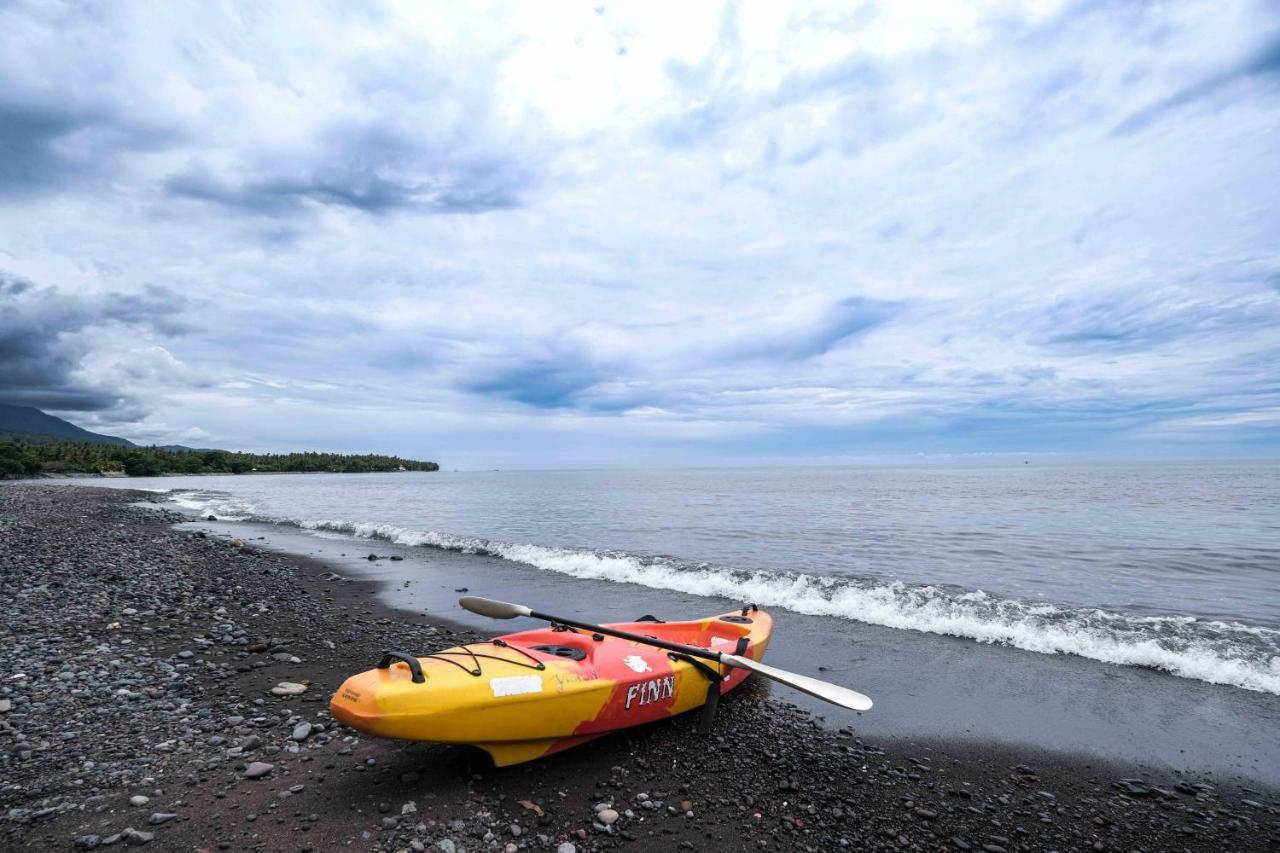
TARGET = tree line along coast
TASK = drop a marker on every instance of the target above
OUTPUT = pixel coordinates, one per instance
(32, 458)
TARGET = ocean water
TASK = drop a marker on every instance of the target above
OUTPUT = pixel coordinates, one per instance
(1174, 566)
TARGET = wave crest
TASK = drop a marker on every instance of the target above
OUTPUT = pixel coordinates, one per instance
(1217, 652)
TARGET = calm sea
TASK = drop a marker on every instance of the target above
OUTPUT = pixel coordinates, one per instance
(1170, 565)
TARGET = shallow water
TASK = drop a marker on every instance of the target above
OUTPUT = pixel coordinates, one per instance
(1167, 565)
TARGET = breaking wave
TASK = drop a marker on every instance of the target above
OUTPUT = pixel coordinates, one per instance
(1217, 652)
(226, 507)
(1212, 651)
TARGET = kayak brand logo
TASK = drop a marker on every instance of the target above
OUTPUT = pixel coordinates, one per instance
(637, 663)
(653, 690)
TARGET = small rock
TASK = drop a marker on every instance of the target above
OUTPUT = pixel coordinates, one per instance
(1134, 787)
(301, 732)
(607, 816)
(409, 808)
(186, 654)
(88, 842)
(446, 845)
(160, 817)
(567, 847)
(139, 800)
(6, 705)
(137, 836)
(288, 688)
(258, 769)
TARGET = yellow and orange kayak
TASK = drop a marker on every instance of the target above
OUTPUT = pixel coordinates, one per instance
(522, 696)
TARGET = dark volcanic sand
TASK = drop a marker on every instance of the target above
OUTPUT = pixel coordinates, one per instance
(137, 660)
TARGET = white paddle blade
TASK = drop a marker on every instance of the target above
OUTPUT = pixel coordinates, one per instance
(833, 693)
(493, 609)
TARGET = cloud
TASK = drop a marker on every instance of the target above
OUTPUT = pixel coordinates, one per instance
(1143, 321)
(374, 169)
(42, 346)
(1262, 64)
(543, 383)
(838, 323)
(758, 229)
(28, 135)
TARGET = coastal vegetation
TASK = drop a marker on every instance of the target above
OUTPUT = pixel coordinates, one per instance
(27, 457)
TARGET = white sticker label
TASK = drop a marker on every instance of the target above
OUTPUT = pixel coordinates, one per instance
(514, 685)
(721, 641)
(637, 663)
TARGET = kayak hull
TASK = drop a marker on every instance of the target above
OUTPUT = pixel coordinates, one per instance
(533, 693)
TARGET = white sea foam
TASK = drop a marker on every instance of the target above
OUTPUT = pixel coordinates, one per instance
(205, 502)
(1216, 652)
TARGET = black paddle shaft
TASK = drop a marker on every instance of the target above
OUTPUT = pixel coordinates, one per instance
(693, 651)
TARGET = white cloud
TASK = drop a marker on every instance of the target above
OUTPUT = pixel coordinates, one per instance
(510, 222)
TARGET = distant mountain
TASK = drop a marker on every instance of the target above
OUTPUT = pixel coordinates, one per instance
(29, 423)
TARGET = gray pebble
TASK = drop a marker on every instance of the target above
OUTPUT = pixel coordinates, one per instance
(137, 836)
(258, 769)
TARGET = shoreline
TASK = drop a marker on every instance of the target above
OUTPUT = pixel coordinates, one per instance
(927, 687)
(75, 559)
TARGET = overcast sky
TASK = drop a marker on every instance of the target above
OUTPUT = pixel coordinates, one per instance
(563, 234)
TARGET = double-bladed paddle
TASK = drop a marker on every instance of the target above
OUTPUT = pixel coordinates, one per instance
(833, 693)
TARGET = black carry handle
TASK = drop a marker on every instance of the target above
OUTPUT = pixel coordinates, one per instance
(404, 657)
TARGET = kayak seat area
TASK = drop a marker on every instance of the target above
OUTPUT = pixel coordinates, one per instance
(707, 633)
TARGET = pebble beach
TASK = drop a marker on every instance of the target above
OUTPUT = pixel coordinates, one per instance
(164, 687)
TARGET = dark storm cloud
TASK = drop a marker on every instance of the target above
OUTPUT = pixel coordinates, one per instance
(40, 351)
(1264, 64)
